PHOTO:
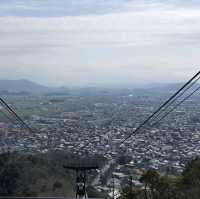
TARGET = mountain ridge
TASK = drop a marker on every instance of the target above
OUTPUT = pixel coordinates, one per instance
(24, 85)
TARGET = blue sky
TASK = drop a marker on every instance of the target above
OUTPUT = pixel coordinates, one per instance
(46, 8)
(99, 42)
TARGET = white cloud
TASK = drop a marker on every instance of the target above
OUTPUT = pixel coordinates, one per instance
(54, 8)
(120, 48)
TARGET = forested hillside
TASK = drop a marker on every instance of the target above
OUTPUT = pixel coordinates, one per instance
(40, 174)
(157, 186)
(28, 175)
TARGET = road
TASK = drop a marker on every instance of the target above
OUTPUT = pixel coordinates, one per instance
(102, 172)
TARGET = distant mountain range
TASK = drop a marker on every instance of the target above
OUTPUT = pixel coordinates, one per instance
(26, 86)
(16, 86)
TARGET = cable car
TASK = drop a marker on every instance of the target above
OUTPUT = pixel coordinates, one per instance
(81, 185)
(81, 179)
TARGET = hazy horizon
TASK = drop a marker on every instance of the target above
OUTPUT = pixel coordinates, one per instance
(99, 43)
(123, 86)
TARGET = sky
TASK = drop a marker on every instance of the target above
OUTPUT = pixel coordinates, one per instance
(99, 43)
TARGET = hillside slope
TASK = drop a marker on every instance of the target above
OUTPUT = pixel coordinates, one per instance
(27, 175)
(23, 86)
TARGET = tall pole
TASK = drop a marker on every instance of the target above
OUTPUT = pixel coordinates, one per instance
(131, 182)
(113, 186)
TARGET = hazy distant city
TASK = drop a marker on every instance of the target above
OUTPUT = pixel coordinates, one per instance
(79, 84)
(94, 121)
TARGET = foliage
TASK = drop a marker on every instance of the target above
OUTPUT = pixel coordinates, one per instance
(185, 186)
(40, 175)
(132, 193)
(28, 175)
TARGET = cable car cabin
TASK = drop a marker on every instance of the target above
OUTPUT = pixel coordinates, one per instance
(81, 179)
(81, 185)
(80, 190)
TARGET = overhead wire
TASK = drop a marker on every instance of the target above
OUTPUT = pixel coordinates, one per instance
(188, 85)
(175, 99)
(160, 108)
(15, 115)
(7, 117)
(154, 116)
(175, 107)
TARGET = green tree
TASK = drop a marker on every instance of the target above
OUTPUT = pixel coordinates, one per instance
(8, 179)
(191, 173)
(131, 193)
(150, 180)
